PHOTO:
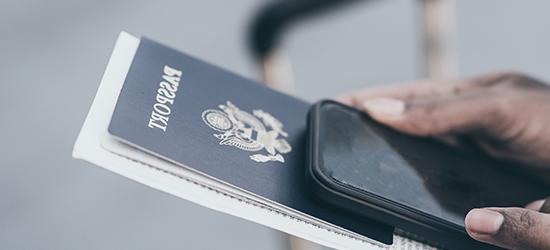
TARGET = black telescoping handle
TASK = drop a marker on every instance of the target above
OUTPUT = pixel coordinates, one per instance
(274, 18)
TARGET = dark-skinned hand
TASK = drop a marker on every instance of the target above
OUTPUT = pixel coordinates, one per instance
(507, 115)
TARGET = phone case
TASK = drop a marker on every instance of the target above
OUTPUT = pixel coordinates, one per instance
(365, 204)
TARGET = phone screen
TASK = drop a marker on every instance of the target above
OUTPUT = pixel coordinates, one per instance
(419, 174)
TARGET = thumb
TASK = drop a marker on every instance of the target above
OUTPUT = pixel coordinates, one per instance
(436, 116)
(513, 228)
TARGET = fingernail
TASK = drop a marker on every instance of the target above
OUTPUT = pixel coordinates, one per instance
(385, 106)
(484, 221)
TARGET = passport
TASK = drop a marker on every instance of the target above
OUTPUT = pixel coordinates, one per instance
(187, 127)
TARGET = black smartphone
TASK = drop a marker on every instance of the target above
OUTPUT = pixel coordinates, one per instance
(420, 186)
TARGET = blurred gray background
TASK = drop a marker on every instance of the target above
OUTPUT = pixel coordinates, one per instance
(53, 54)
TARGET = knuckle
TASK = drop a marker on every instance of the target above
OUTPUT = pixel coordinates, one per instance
(517, 220)
(510, 74)
(521, 228)
(526, 219)
(497, 114)
(517, 80)
(419, 119)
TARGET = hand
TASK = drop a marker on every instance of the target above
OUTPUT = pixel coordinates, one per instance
(507, 115)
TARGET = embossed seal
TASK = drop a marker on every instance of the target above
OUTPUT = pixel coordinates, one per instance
(250, 132)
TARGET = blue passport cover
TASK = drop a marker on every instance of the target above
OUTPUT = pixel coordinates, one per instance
(225, 126)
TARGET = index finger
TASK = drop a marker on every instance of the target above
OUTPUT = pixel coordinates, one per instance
(401, 91)
(419, 89)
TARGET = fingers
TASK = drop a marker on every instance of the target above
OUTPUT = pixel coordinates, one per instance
(433, 108)
(438, 116)
(405, 91)
(419, 89)
(514, 228)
